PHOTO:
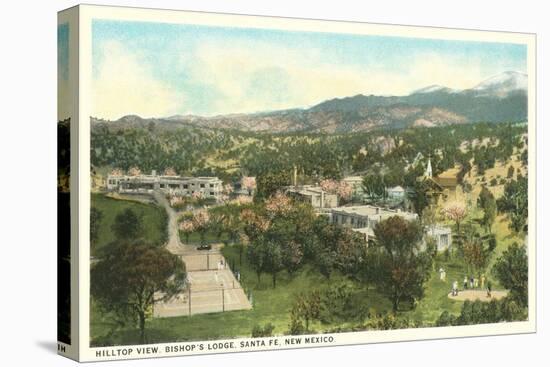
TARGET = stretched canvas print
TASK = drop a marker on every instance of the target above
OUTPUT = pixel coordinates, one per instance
(236, 183)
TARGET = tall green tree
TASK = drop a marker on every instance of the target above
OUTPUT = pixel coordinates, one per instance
(514, 203)
(486, 201)
(271, 182)
(131, 276)
(374, 186)
(404, 265)
(266, 257)
(307, 307)
(419, 197)
(512, 270)
(127, 225)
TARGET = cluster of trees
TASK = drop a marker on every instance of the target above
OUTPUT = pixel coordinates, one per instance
(282, 235)
(386, 153)
(130, 274)
(479, 312)
(514, 203)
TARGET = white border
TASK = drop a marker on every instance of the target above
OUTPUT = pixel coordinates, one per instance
(89, 12)
(70, 17)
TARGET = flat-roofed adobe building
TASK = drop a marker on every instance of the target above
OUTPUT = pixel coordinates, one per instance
(396, 193)
(314, 195)
(442, 236)
(363, 218)
(208, 187)
(356, 184)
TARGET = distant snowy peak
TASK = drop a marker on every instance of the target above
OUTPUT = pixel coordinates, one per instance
(502, 84)
(432, 89)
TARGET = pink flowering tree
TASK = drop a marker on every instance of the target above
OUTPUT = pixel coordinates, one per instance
(345, 191)
(249, 184)
(201, 221)
(278, 204)
(227, 189)
(292, 255)
(342, 189)
(134, 171)
(175, 200)
(116, 172)
(170, 171)
(329, 186)
(197, 195)
(187, 227)
(455, 211)
(254, 225)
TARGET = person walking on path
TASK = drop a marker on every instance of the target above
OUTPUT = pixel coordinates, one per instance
(471, 282)
(489, 286)
(455, 288)
(465, 282)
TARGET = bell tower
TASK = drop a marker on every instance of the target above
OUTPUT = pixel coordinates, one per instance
(428, 172)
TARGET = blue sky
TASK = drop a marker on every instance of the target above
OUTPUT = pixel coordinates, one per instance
(156, 69)
(63, 50)
(63, 92)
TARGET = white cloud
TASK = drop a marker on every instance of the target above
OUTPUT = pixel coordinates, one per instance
(307, 79)
(124, 85)
(243, 77)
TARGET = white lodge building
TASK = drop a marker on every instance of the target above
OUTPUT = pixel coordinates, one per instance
(363, 218)
(209, 187)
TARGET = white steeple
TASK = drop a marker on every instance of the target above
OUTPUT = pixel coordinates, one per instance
(428, 172)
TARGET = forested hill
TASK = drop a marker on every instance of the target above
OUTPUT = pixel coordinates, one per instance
(502, 98)
(229, 154)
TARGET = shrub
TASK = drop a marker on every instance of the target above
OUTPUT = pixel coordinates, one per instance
(265, 331)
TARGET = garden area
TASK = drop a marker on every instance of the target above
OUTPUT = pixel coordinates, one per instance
(299, 289)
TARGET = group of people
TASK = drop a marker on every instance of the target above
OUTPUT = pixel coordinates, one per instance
(469, 282)
(474, 282)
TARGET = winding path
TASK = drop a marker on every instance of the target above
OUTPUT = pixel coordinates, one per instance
(174, 244)
(211, 289)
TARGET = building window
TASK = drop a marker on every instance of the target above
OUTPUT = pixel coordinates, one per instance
(212, 193)
(211, 185)
(202, 186)
(186, 186)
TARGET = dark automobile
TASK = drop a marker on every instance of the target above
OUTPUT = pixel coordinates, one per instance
(204, 246)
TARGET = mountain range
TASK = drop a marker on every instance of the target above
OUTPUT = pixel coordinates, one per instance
(501, 98)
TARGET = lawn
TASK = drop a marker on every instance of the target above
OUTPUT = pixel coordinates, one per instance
(153, 219)
(273, 306)
(270, 306)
